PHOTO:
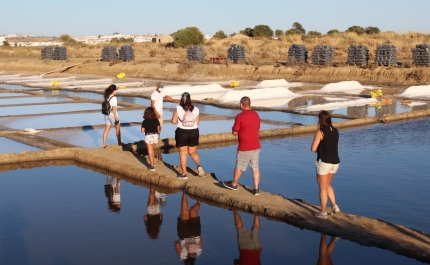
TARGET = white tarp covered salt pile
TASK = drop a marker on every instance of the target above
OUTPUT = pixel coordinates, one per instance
(417, 92)
(349, 87)
(322, 54)
(196, 53)
(126, 53)
(298, 52)
(263, 97)
(386, 54)
(358, 55)
(59, 53)
(421, 54)
(337, 105)
(236, 53)
(109, 53)
(47, 52)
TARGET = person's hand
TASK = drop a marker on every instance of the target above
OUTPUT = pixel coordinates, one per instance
(157, 115)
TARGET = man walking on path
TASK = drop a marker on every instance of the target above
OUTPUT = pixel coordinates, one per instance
(246, 127)
(157, 102)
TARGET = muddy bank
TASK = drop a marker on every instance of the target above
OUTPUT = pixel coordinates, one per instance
(362, 230)
(375, 75)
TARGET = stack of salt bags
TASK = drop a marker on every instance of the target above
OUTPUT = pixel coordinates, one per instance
(358, 55)
(236, 53)
(59, 53)
(109, 53)
(196, 53)
(386, 54)
(323, 54)
(298, 52)
(421, 54)
(47, 52)
(126, 53)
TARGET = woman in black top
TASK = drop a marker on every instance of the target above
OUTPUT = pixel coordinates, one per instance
(325, 144)
(151, 128)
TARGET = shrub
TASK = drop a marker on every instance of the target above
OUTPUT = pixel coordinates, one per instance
(6, 43)
(357, 29)
(314, 34)
(188, 36)
(372, 30)
(262, 31)
(279, 32)
(248, 32)
(333, 31)
(220, 35)
(292, 32)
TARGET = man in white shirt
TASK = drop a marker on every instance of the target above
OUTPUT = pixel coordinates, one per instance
(157, 101)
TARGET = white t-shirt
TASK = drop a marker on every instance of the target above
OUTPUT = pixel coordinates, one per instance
(113, 103)
(190, 248)
(181, 113)
(158, 100)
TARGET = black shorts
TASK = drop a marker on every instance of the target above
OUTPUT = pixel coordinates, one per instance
(185, 137)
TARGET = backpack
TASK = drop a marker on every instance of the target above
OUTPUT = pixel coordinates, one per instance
(188, 119)
(106, 108)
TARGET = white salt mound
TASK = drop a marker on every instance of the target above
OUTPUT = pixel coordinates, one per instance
(197, 89)
(272, 83)
(417, 92)
(344, 86)
(31, 131)
(257, 94)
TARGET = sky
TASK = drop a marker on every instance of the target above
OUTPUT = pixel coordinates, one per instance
(95, 17)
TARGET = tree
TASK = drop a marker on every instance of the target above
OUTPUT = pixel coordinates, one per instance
(6, 43)
(279, 32)
(297, 26)
(333, 31)
(220, 35)
(66, 39)
(372, 30)
(357, 29)
(292, 32)
(314, 34)
(262, 31)
(188, 36)
(247, 32)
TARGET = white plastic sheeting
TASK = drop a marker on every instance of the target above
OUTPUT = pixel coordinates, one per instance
(417, 92)
(350, 87)
(337, 105)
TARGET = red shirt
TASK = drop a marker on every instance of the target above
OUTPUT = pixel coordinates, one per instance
(247, 124)
(250, 257)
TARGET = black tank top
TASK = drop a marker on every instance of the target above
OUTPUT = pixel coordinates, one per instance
(327, 149)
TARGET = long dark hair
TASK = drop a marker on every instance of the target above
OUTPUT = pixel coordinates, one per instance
(186, 102)
(109, 91)
(149, 114)
(324, 119)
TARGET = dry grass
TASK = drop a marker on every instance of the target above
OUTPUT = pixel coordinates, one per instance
(257, 50)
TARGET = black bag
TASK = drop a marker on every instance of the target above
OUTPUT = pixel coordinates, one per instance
(106, 108)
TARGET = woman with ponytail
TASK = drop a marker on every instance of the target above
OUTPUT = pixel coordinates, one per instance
(112, 118)
(186, 117)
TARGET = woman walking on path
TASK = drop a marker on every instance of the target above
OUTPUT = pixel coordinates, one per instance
(187, 118)
(112, 118)
(325, 144)
(151, 128)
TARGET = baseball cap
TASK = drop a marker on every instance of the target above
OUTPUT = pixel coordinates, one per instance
(159, 84)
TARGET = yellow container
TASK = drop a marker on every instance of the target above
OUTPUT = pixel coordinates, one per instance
(234, 83)
(55, 83)
(376, 93)
(120, 75)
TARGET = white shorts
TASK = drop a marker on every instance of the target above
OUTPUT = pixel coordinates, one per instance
(151, 138)
(326, 168)
(109, 120)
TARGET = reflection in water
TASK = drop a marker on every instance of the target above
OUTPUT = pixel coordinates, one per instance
(249, 243)
(154, 217)
(326, 250)
(189, 245)
(306, 101)
(112, 192)
(357, 111)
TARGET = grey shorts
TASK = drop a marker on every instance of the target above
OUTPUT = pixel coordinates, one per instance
(109, 120)
(245, 158)
(326, 168)
(248, 241)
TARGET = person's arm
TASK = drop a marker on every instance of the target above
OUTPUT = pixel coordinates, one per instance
(158, 129)
(198, 119)
(175, 117)
(236, 126)
(317, 139)
(171, 99)
(115, 114)
(153, 106)
(142, 129)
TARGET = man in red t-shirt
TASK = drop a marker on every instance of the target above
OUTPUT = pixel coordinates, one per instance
(246, 127)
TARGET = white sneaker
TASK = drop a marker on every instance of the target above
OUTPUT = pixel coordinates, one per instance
(202, 173)
(321, 215)
(335, 209)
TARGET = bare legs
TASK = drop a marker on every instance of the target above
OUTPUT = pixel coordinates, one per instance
(150, 148)
(255, 174)
(326, 190)
(183, 153)
(118, 134)
(325, 250)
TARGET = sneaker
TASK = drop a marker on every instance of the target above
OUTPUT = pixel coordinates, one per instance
(182, 176)
(202, 173)
(322, 215)
(229, 185)
(255, 191)
(335, 209)
(152, 168)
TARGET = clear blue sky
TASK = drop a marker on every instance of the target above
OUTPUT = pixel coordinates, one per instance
(93, 17)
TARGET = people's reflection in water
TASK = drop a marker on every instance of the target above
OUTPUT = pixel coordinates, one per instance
(189, 245)
(154, 217)
(326, 250)
(249, 243)
(112, 192)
